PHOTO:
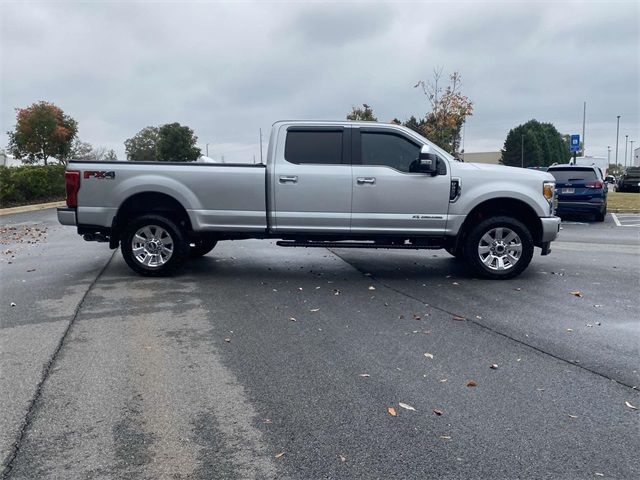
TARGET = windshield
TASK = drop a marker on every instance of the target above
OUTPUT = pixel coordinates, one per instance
(563, 175)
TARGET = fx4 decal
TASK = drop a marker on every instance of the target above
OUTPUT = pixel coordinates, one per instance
(99, 174)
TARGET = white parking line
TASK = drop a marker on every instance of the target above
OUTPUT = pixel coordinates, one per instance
(615, 219)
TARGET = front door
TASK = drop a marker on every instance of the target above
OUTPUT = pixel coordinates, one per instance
(312, 181)
(388, 195)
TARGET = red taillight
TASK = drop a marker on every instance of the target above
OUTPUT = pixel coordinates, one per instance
(596, 184)
(72, 181)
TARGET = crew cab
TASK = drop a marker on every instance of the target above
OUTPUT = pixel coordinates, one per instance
(324, 184)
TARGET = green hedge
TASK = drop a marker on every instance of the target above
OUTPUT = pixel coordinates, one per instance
(31, 184)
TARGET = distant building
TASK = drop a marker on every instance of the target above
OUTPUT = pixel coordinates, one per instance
(482, 157)
(636, 157)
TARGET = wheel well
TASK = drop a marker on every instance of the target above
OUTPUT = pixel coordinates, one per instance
(151, 203)
(503, 206)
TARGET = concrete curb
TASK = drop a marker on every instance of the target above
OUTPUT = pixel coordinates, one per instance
(30, 208)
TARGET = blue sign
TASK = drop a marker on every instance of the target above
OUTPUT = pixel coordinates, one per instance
(575, 143)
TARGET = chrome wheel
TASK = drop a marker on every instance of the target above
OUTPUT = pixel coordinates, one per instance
(152, 246)
(500, 249)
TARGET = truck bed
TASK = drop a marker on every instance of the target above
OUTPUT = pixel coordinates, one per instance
(217, 197)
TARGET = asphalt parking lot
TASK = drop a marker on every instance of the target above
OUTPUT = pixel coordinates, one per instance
(264, 362)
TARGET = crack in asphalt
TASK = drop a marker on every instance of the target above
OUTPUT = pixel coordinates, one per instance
(46, 372)
(479, 324)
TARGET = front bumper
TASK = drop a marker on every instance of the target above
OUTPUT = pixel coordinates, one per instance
(67, 216)
(550, 228)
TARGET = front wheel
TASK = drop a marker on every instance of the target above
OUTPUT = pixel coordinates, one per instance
(499, 248)
(154, 246)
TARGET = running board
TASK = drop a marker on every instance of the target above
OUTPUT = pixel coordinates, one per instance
(348, 244)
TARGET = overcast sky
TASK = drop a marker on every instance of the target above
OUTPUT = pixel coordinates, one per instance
(227, 69)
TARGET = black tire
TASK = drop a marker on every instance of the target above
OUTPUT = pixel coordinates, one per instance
(472, 245)
(600, 215)
(175, 240)
(201, 246)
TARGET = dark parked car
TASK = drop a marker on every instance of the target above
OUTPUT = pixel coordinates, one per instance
(630, 181)
(580, 190)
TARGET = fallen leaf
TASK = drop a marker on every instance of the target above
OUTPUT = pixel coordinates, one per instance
(494, 366)
(292, 319)
(437, 412)
(13, 304)
(576, 293)
(300, 288)
(416, 317)
(458, 318)
(597, 305)
(364, 375)
(392, 411)
(569, 329)
(572, 416)
(518, 289)
(443, 380)
(342, 458)
(336, 292)
(598, 474)
(472, 383)
(455, 283)
(630, 406)
(445, 437)
(407, 407)
(267, 421)
(314, 310)
(429, 355)
(371, 287)
(279, 455)
(31, 270)
(227, 340)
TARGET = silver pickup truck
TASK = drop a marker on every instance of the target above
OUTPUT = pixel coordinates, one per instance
(325, 184)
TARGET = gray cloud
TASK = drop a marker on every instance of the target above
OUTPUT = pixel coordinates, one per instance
(228, 69)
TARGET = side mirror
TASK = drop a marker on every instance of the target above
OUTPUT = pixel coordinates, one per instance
(428, 161)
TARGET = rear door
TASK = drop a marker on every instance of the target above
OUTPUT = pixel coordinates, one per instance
(312, 180)
(388, 195)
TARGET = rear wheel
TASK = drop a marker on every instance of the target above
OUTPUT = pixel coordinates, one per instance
(499, 248)
(600, 215)
(154, 246)
(201, 246)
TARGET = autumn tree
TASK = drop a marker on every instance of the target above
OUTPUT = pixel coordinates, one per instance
(42, 131)
(449, 109)
(534, 144)
(177, 143)
(362, 114)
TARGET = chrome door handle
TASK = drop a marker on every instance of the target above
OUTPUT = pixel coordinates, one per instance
(363, 180)
(286, 179)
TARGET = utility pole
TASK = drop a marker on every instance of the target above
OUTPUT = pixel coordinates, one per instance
(261, 146)
(626, 140)
(584, 116)
(207, 149)
(522, 151)
(631, 158)
(608, 156)
(617, 133)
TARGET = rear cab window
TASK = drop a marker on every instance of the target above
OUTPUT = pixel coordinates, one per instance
(308, 146)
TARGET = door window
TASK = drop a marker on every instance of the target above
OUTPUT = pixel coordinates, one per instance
(388, 149)
(316, 147)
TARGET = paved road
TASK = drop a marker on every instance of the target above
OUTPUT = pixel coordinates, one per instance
(208, 375)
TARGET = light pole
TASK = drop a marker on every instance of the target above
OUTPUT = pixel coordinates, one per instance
(608, 156)
(207, 148)
(522, 151)
(617, 134)
(626, 140)
(631, 159)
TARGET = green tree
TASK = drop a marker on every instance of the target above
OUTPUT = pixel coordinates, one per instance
(143, 146)
(362, 114)
(42, 131)
(449, 109)
(110, 156)
(534, 144)
(414, 124)
(177, 143)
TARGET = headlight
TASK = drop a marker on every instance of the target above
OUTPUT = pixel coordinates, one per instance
(548, 189)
